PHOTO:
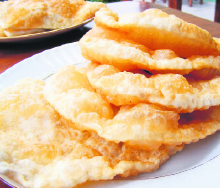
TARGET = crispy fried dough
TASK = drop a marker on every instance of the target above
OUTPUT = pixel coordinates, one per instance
(88, 11)
(29, 123)
(32, 134)
(96, 122)
(118, 152)
(171, 91)
(144, 126)
(73, 88)
(40, 148)
(154, 124)
(29, 15)
(158, 30)
(107, 46)
(2, 34)
(68, 81)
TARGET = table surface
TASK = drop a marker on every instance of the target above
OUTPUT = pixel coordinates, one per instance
(13, 52)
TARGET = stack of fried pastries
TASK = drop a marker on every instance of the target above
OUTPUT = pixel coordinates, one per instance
(136, 104)
(38, 144)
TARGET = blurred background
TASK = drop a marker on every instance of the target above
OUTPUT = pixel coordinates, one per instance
(205, 10)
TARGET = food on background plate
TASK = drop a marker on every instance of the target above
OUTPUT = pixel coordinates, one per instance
(32, 16)
(2, 34)
(108, 118)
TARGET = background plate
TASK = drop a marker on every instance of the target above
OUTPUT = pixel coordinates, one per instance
(42, 35)
(196, 166)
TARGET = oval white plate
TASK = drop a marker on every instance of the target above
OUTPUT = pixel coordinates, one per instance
(196, 166)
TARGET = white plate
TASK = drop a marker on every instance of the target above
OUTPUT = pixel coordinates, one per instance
(41, 35)
(196, 166)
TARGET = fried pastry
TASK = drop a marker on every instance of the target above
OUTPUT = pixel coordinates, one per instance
(172, 91)
(2, 34)
(32, 15)
(73, 86)
(107, 46)
(158, 30)
(37, 145)
(145, 125)
(142, 125)
(99, 121)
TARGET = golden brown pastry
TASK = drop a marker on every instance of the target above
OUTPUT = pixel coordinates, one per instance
(172, 91)
(29, 15)
(158, 30)
(2, 34)
(99, 121)
(107, 46)
(139, 125)
(39, 148)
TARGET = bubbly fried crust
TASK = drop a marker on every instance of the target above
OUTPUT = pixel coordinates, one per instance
(156, 125)
(88, 11)
(108, 46)
(158, 30)
(45, 14)
(33, 135)
(172, 91)
(76, 93)
(37, 145)
(2, 34)
(144, 126)
(97, 122)
(29, 122)
(68, 81)
(117, 153)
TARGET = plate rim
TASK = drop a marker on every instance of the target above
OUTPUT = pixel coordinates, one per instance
(44, 34)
